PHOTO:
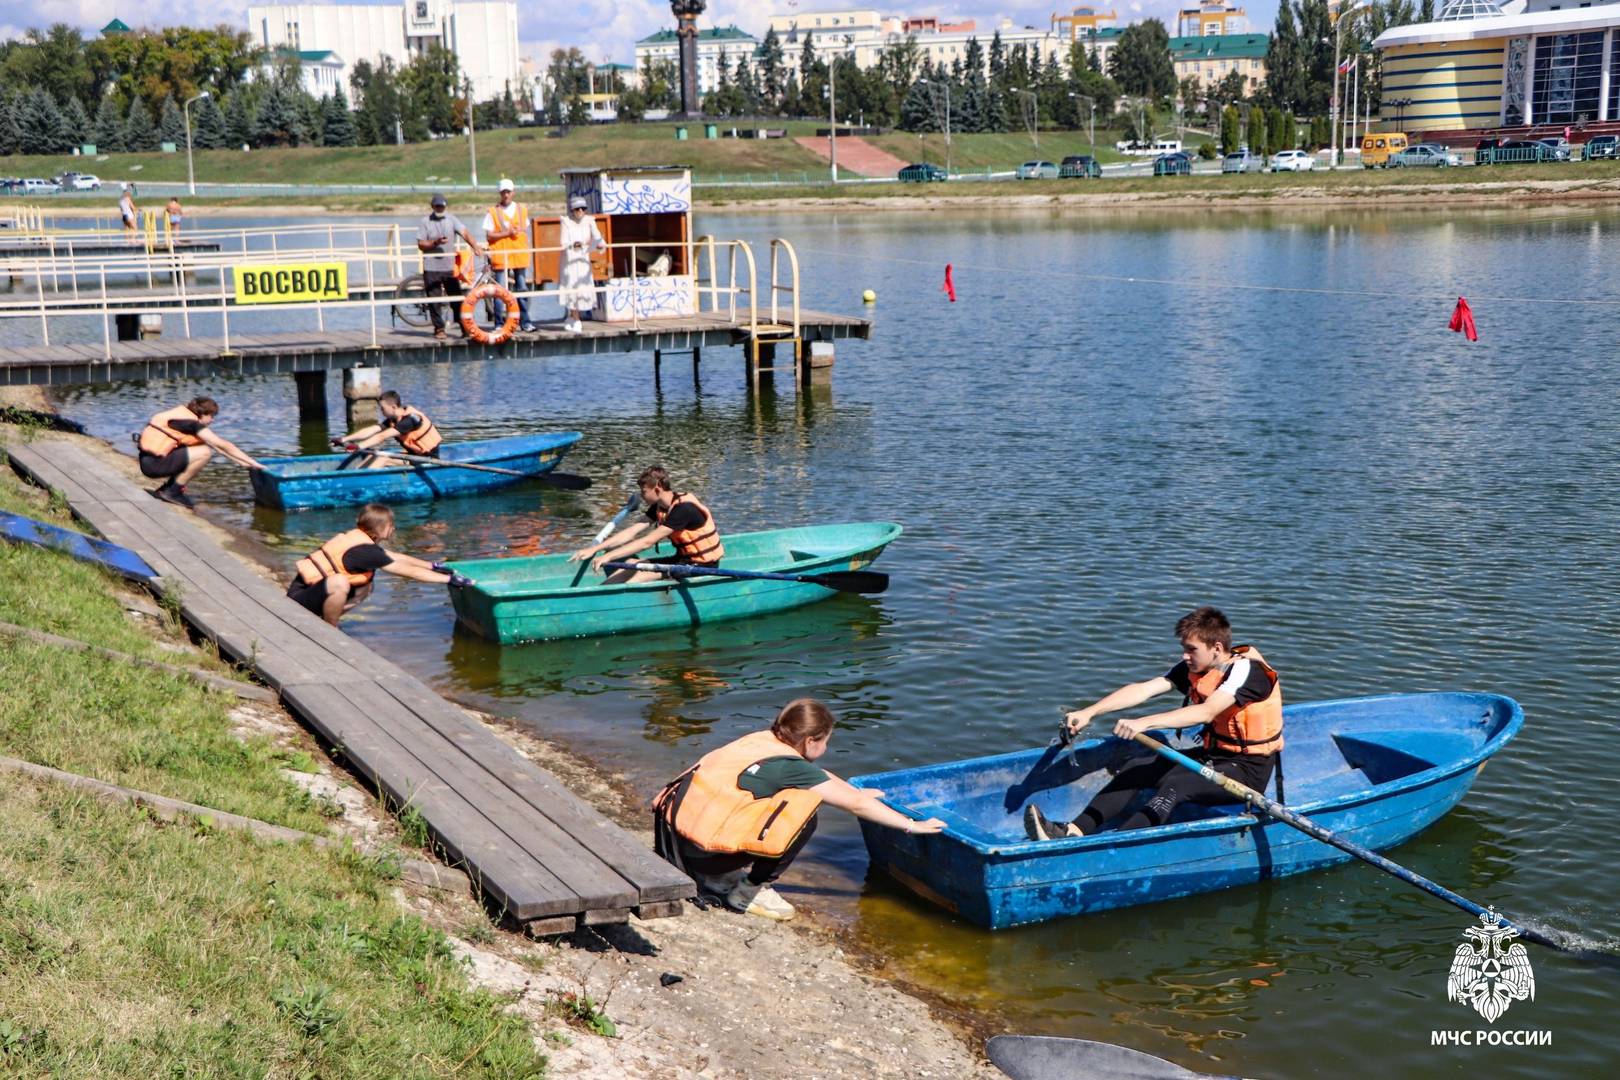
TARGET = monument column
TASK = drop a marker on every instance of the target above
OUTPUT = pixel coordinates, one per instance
(686, 31)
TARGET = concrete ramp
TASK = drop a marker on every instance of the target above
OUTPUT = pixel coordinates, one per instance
(855, 155)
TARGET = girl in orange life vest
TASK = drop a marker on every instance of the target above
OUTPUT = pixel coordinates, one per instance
(679, 518)
(736, 819)
(1234, 692)
(411, 426)
(337, 575)
(177, 443)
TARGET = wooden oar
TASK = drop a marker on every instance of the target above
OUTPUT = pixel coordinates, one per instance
(607, 531)
(1327, 836)
(855, 581)
(566, 481)
(1046, 1057)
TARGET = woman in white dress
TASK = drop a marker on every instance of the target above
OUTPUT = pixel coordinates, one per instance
(580, 237)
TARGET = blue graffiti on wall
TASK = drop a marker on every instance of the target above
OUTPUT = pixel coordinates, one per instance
(649, 298)
(646, 196)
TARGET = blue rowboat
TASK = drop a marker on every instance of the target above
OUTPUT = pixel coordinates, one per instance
(1376, 770)
(303, 482)
(103, 553)
(544, 597)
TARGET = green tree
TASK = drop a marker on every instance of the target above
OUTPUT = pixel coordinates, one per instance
(139, 134)
(1285, 67)
(1316, 51)
(1231, 128)
(10, 124)
(1255, 131)
(53, 60)
(76, 120)
(107, 130)
(337, 122)
(276, 122)
(1280, 136)
(171, 125)
(1140, 62)
(208, 129)
(241, 118)
(1321, 132)
(41, 128)
(377, 93)
(1426, 11)
(430, 86)
(1290, 131)
(772, 71)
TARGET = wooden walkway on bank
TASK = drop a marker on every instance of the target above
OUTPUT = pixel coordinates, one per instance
(540, 855)
(333, 350)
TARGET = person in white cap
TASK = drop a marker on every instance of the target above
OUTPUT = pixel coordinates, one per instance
(506, 228)
(580, 238)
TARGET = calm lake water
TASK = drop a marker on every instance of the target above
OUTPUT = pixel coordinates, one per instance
(1377, 503)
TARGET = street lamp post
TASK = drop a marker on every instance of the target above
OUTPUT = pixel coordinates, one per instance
(832, 117)
(472, 136)
(191, 173)
(1035, 111)
(1091, 121)
(1345, 15)
(947, 87)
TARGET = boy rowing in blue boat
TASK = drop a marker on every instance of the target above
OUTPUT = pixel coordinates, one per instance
(408, 424)
(680, 518)
(1234, 693)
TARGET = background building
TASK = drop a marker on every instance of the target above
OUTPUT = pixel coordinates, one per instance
(1212, 58)
(1211, 19)
(483, 35)
(321, 71)
(713, 45)
(1083, 22)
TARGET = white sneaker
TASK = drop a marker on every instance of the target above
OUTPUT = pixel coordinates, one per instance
(768, 904)
(574, 326)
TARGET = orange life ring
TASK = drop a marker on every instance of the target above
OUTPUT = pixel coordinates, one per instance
(469, 304)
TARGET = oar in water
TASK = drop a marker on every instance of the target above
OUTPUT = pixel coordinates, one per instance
(1045, 1057)
(566, 481)
(855, 581)
(607, 530)
(1327, 836)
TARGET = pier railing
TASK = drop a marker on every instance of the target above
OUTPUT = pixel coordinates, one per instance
(724, 277)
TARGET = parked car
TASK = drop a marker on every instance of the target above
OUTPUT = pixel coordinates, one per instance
(1176, 164)
(1079, 167)
(1601, 146)
(10, 185)
(1379, 146)
(1521, 150)
(1242, 161)
(36, 186)
(1037, 170)
(85, 182)
(922, 172)
(1425, 155)
(1559, 146)
(1292, 161)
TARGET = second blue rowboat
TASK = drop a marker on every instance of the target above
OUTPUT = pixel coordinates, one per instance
(302, 483)
(1376, 770)
(545, 597)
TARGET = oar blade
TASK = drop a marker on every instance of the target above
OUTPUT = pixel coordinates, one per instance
(565, 481)
(852, 581)
(1042, 1057)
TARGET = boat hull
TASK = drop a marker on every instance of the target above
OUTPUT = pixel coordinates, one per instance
(546, 598)
(1374, 770)
(304, 483)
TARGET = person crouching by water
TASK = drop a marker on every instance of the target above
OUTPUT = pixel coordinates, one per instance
(336, 576)
(680, 518)
(1234, 692)
(408, 424)
(737, 819)
(176, 444)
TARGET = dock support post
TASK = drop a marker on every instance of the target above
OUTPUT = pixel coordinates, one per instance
(761, 362)
(362, 386)
(311, 394)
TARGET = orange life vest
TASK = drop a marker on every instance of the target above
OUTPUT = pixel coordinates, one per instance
(707, 807)
(700, 545)
(327, 560)
(1242, 729)
(421, 440)
(512, 252)
(159, 438)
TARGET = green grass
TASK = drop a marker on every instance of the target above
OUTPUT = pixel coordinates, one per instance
(133, 947)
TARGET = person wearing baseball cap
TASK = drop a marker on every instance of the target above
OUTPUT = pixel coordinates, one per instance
(580, 238)
(506, 229)
(436, 240)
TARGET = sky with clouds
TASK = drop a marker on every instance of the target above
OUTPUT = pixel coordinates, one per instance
(602, 29)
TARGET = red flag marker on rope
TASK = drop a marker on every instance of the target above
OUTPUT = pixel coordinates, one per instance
(950, 290)
(1462, 320)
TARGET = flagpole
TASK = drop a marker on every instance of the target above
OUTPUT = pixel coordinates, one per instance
(1355, 97)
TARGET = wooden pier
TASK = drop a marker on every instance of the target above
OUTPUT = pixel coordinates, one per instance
(539, 855)
(334, 350)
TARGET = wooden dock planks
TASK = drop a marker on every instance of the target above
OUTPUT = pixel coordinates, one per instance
(538, 853)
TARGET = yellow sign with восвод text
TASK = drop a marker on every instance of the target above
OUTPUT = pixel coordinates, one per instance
(287, 283)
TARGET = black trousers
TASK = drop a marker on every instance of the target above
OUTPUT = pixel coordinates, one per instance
(441, 283)
(702, 864)
(1172, 785)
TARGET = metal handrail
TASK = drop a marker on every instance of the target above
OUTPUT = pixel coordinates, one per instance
(793, 260)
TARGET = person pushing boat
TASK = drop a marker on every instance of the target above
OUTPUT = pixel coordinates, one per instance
(681, 518)
(176, 443)
(1233, 693)
(336, 576)
(410, 425)
(737, 819)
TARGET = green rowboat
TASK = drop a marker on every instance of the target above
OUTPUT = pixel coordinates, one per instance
(546, 597)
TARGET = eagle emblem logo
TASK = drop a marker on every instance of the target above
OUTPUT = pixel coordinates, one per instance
(1490, 971)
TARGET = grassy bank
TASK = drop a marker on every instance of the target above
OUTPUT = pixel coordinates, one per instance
(130, 946)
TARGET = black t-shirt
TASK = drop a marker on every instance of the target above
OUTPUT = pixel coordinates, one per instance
(365, 559)
(682, 516)
(1246, 680)
(186, 427)
(405, 424)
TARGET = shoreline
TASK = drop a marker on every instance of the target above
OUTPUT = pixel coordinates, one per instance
(703, 1029)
